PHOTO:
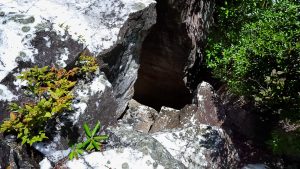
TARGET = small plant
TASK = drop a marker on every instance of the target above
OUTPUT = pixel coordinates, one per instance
(93, 142)
(87, 64)
(50, 92)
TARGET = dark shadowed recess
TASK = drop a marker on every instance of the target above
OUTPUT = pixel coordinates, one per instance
(163, 58)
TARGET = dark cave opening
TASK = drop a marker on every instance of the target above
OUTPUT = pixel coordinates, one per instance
(163, 58)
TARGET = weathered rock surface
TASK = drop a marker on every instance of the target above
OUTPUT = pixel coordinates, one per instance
(193, 147)
(15, 156)
(139, 116)
(168, 118)
(55, 33)
(122, 60)
(59, 31)
(132, 149)
(170, 51)
(205, 110)
(210, 110)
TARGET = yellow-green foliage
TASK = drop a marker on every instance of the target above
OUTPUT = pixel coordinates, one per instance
(88, 64)
(51, 90)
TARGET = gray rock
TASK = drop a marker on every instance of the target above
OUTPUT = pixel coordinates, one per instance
(199, 146)
(15, 156)
(139, 116)
(122, 60)
(168, 118)
(196, 147)
(129, 149)
(52, 43)
(21, 19)
(4, 157)
(207, 108)
(2, 13)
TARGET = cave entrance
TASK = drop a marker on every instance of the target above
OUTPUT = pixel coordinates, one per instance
(163, 57)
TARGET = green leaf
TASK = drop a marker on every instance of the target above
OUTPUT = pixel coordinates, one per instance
(80, 151)
(79, 146)
(96, 145)
(99, 138)
(86, 143)
(48, 115)
(96, 129)
(71, 155)
(76, 154)
(24, 140)
(87, 130)
(90, 147)
(20, 135)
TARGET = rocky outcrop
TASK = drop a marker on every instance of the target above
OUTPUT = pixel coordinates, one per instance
(44, 37)
(139, 116)
(15, 156)
(148, 51)
(191, 147)
(205, 110)
(170, 51)
(122, 60)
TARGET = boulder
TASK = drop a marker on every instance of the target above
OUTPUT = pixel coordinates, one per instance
(121, 61)
(139, 116)
(128, 149)
(205, 109)
(193, 147)
(209, 110)
(200, 146)
(168, 118)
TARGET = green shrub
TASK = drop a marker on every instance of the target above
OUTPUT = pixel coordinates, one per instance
(285, 142)
(258, 54)
(50, 90)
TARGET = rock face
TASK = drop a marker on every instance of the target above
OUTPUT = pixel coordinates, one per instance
(191, 147)
(16, 157)
(139, 116)
(55, 33)
(170, 51)
(149, 51)
(122, 60)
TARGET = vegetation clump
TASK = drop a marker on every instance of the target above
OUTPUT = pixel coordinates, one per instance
(93, 141)
(51, 95)
(255, 50)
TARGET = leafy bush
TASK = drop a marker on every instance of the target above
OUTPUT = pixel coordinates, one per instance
(258, 55)
(285, 142)
(50, 88)
(87, 64)
(93, 141)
